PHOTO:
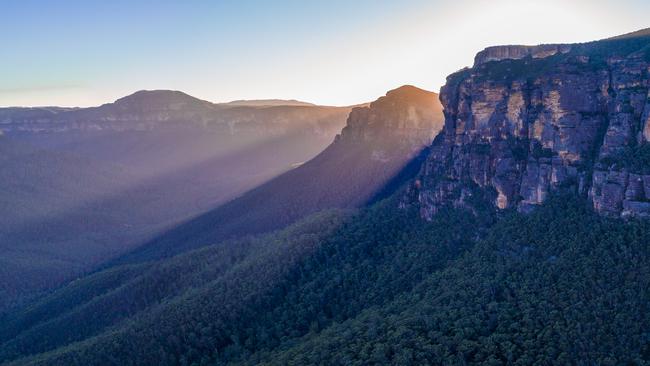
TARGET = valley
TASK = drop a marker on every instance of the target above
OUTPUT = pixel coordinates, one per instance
(504, 220)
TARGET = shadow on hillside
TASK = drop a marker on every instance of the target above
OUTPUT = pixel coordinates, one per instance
(318, 185)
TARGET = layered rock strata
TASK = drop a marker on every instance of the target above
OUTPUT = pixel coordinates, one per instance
(525, 122)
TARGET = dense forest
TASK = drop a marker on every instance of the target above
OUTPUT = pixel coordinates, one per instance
(559, 286)
(390, 249)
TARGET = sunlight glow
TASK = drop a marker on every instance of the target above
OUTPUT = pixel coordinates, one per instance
(332, 53)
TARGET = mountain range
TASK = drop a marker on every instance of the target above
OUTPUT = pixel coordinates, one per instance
(84, 185)
(503, 221)
(379, 149)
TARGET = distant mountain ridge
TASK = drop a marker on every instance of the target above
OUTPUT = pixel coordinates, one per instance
(268, 103)
(149, 109)
(154, 100)
(83, 185)
(380, 148)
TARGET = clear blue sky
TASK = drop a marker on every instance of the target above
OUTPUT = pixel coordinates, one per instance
(330, 52)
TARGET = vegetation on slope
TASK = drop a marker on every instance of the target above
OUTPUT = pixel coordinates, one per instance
(89, 306)
(561, 286)
(82, 186)
(353, 263)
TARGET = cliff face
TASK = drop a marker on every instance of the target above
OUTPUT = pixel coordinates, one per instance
(380, 148)
(166, 109)
(498, 53)
(526, 121)
(407, 118)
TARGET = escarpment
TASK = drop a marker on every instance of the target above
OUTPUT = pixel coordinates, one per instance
(149, 110)
(523, 123)
(498, 53)
(379, 149)
(407, 119)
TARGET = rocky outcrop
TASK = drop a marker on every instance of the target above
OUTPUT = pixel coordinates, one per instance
(569, 117)
(514, 52)
(407, 118)
(379, 150)
(621, 193)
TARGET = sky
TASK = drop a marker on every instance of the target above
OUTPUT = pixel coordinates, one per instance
(330, 52)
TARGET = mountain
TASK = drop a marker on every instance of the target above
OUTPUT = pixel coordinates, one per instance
(149, 109)
(83, 185)
(379, 143)
(433, 272)
(526, 121)
(268, 103)
(381, 146)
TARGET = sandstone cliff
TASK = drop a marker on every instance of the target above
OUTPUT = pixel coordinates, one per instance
(407, 118)
(148, 110)
(379, 150)
(527, 121)
(498, 53)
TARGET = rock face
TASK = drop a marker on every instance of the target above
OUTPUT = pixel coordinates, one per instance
(498, 53)
(407, 118)
(381, 147)
(147, 110)
(527, 121)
